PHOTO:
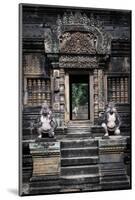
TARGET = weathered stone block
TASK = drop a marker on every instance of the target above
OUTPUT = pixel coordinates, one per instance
(111, 159)
(46, 158)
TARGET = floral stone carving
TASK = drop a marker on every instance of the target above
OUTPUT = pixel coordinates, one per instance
(78, 33)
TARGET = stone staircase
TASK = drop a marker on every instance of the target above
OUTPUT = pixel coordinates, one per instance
(80, 162)
(78, 129)
(79, 165)
(114, 176)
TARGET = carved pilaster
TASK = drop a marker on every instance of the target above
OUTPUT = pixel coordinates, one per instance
(56, 95)
(59, 95)
(99, 99)
(62, 97)
(101, 96)
(96, 93)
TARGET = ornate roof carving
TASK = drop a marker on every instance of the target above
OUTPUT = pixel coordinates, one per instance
(78, 19)
(78, 33)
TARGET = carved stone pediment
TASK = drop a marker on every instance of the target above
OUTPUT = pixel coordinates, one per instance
(78, 61)
(78, 42)
(80, 34)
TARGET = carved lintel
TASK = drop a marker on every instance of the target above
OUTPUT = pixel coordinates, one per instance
(78, 62)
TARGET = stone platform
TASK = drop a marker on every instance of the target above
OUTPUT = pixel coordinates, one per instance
(78, 164)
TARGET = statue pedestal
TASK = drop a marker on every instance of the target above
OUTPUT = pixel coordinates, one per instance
(46, 158)
(46, 166)
(112, 168)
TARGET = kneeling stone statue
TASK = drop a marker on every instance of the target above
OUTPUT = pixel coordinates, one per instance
(47, 123)
(111, 120)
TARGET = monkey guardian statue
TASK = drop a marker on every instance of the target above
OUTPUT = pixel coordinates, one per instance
(111, 120)
(47, 123)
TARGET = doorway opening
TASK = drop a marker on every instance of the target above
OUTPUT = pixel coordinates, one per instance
(79, 97)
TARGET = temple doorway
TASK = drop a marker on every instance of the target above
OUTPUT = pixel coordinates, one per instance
(79, 97)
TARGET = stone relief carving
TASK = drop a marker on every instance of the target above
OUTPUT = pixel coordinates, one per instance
(34, 64)
(48, 40)
(56, 73)
(78, 42)
(77, 61)
(56, 84)
(89, 31)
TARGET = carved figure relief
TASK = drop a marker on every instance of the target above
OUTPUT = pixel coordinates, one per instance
(78, 42)
(78, 33)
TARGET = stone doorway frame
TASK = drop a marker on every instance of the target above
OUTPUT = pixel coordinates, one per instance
(67, 93)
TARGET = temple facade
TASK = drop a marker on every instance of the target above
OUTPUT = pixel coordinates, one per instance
(67, 52)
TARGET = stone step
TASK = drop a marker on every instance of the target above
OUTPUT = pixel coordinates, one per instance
(45, 189)
(114, 172)
(71, 183)
(79, 143)
(119, 184)
(77, 135)
(79, 179)
(79, 170)
(80, 187)
(112, 166)
(79, 161)
(43, 183)
(114, 178)
(79, 126)
(79, 152)
(79, 130)
(79, 122)
(97, 129)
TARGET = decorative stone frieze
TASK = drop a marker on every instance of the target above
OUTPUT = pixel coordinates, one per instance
(78, 61)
